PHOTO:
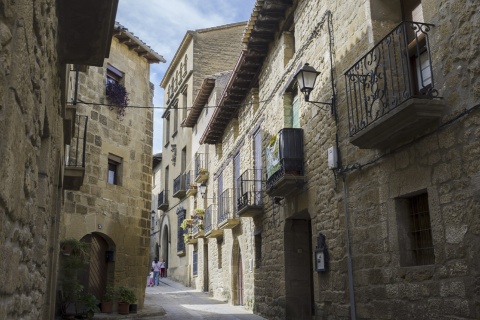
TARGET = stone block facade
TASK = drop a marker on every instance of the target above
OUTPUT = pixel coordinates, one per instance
(202, 53)
(112, 209)
(365, 207)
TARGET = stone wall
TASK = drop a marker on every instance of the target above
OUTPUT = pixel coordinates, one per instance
(120, 214)
(32, 149)
(442, 161)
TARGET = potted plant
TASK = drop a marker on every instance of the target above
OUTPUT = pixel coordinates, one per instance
(73, 246)
(187, 237)
(199, 212)
(186, 223)
(75, 254)
(107, 300)
(90, 304)
(125, 297)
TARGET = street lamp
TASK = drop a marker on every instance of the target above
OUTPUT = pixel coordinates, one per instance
(306, 78)
(203, 188)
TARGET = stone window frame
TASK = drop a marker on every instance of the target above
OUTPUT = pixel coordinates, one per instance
(114, 170)
(414, 227)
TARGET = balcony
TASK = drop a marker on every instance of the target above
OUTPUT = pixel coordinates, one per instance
(198, 227)
(191, 186)
(179, 186)
(85, 29)
(210, 228)
(285, 170)
(249, 193)
(391, 94)
(163, 200)
(201, 167)
(226, 216)
(75, 155)
(69, 123)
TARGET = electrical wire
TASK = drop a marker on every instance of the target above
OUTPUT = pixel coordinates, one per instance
(165, 108)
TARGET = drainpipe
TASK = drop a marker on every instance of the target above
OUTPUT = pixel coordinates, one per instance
(353, 314)
(76, 85)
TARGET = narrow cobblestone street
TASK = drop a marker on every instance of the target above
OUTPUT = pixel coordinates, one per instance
(173, 301)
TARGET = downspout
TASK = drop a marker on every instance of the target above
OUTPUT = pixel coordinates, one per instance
(353, 314)
(76, 85)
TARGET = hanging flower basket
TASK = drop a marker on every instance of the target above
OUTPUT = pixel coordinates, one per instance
(118, 96)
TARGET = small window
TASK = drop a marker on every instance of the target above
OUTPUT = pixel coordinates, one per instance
(113, 74)
(415, 232)
(114, 169)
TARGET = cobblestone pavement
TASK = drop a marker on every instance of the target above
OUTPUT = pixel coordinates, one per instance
(172, 301)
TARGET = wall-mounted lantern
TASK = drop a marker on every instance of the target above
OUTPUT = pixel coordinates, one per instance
(203, 189)
(321, 254)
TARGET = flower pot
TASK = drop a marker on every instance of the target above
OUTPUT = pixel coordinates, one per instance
(107, 307)
(123, 308)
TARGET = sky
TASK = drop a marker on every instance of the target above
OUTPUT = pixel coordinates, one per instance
(162, 24)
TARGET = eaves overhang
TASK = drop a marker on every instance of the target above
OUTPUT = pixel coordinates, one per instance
(134, 43)
(259, 33)
(85, 29)
(198, 104)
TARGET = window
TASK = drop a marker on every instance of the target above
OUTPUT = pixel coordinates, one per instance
(295, 112)
(166, 116)
(195, 263)
(219, 255)
(258, 250)
(415, 234)
(114, 75)
(180, 232)
(114, 169)
(175, 120)
(184, 105)
(291, 107)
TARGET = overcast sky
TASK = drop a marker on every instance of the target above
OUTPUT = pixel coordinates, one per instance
(162, 24)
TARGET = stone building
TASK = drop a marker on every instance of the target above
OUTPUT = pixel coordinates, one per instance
(368, 198)
(112, 209)
(36, 43)
(202, 52)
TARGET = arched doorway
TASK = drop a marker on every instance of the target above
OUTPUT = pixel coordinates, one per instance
(165, 248)
(298, 267)
(95, 276)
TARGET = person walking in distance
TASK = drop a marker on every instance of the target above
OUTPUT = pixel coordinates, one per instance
(150, 283)
(156, 269)
(162, 269)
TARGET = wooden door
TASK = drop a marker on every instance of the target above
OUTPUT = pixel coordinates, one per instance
(94, 278)
(240, 280)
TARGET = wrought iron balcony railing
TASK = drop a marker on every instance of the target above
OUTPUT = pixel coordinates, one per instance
(201, 166)
(397, 69)
(285, 156)
(180, 186)
(208, 219)
(249, 193)
(75, 155)
(210, 223)
(163, 200)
